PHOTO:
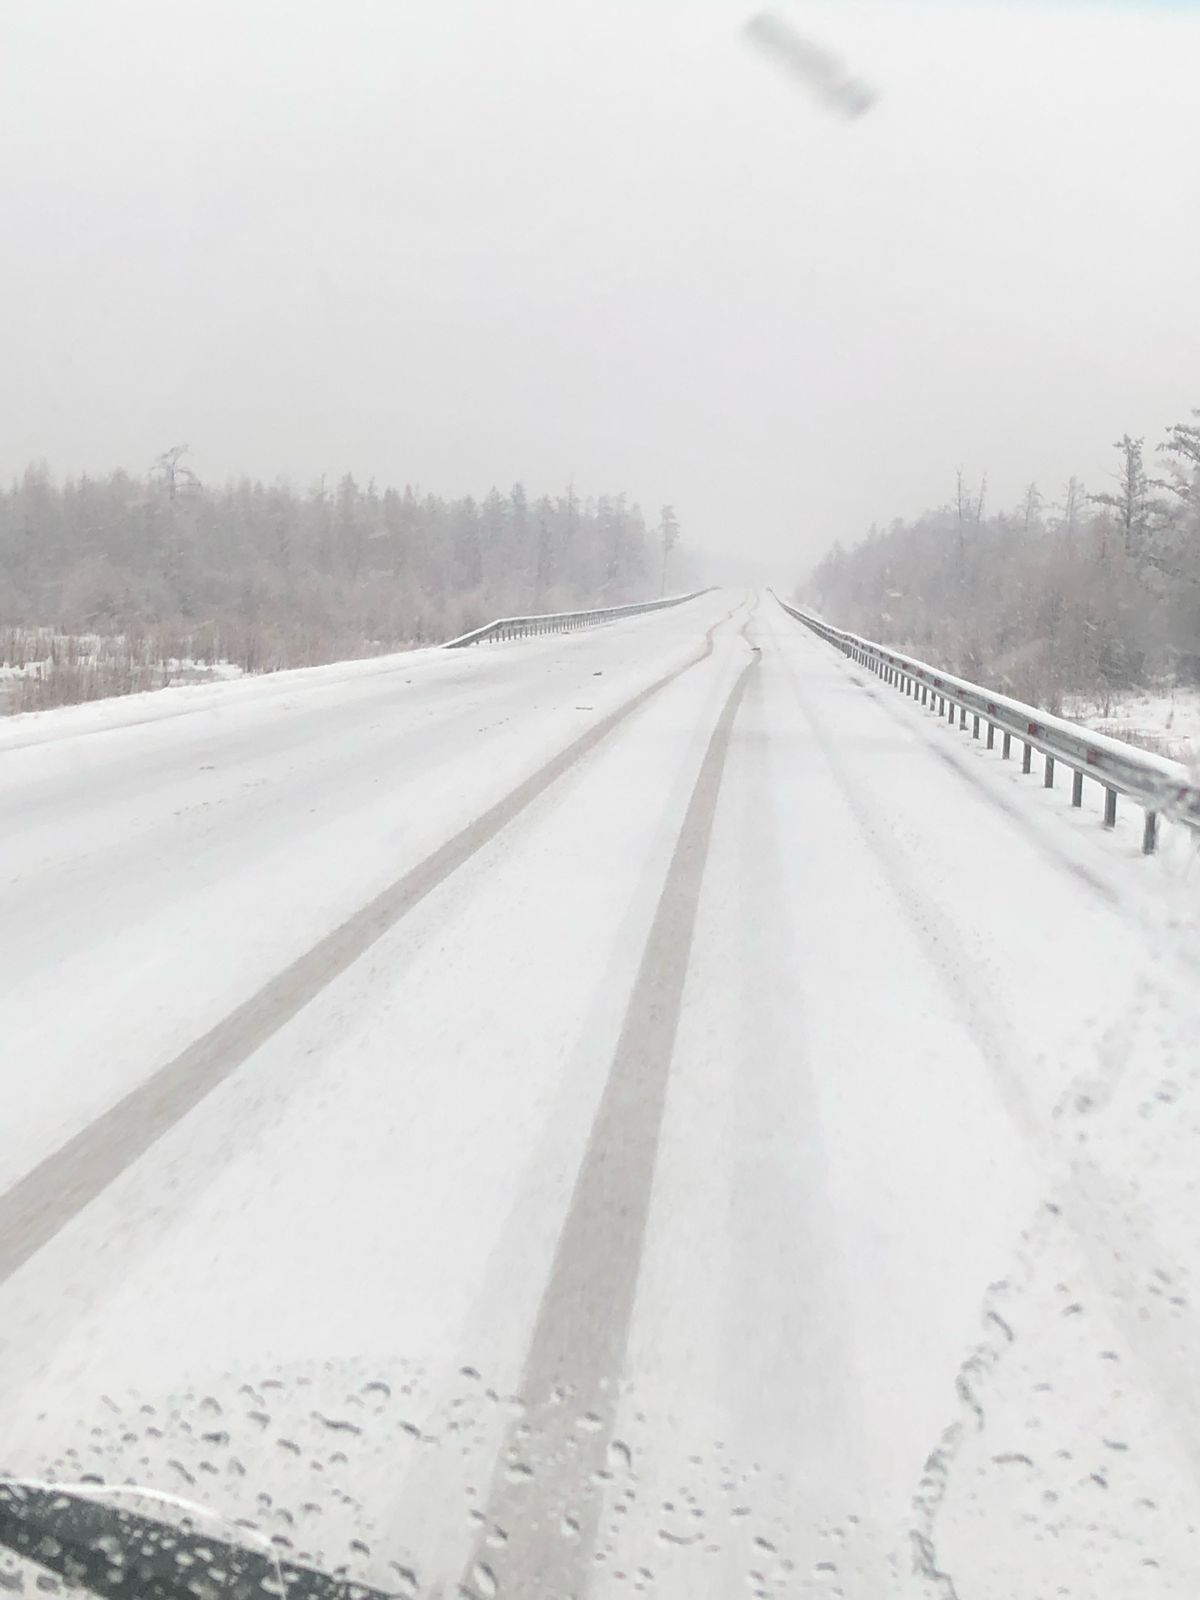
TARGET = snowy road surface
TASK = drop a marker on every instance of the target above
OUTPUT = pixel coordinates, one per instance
(638, 1111)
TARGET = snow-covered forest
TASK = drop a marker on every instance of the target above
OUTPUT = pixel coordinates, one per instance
(118, 583)
(1075, 595)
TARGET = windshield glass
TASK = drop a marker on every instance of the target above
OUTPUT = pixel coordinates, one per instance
(599, 799)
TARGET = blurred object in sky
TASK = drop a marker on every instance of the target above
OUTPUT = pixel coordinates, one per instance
(823, 72)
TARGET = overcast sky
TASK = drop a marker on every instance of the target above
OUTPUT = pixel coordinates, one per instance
(463, 242)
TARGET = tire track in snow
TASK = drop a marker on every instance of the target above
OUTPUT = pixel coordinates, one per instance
(40, 1204)
(985, 1017)
(557, 1461)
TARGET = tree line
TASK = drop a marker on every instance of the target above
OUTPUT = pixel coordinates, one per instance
(1088, 596)
(266, 576)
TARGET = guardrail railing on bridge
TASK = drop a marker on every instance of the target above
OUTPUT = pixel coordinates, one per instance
(1159, 786)
(562, 621)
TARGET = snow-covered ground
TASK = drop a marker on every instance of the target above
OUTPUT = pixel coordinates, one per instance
(1166, 722)
(768, 1152)
(49, 668)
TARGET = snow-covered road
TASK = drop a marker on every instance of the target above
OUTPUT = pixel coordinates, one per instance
(643, 1110)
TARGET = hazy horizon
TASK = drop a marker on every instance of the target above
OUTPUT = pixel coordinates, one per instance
(474, 244)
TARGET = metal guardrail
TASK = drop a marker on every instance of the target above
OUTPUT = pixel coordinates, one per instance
(1160, 786)
(562, 621)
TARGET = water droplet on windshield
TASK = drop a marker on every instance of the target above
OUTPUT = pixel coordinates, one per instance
(406, 1581)
(518, 1472)
(210, 1406)
(620, 1455)
(665, 1536)
(336, 1424)
(483, 1580)
(262, 1418)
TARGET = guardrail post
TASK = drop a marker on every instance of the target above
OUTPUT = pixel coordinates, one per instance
(991, 738)
(1027, 759)
(1150, 833)
(1077, 788)
(962, 718)
(1006, 746)
(1048, 780)
(924, 694)
(975, 726)
(1110, 807)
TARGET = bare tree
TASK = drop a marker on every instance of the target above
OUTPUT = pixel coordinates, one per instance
(668, 526)
(170, 470)
(1032, 507)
